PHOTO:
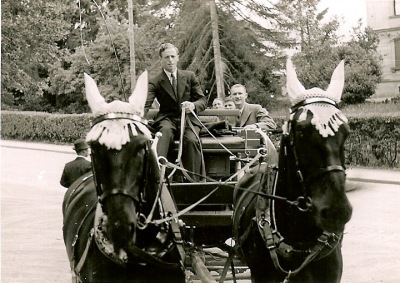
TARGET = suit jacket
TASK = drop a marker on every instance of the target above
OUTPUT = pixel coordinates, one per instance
(256, 114)
(73, 170)
(170, 104)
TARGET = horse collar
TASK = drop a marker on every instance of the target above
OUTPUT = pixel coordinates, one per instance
(102, 241)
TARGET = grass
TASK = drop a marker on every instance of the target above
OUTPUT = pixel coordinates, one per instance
(366, 109)
(372, 109)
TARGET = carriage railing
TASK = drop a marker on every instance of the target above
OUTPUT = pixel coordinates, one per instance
(227, 151)
(213, 215)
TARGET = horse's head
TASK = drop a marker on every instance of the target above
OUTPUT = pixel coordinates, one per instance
(316, 133)
(122, 160)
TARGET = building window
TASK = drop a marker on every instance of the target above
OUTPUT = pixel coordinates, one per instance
(397, 54)
(396, 7)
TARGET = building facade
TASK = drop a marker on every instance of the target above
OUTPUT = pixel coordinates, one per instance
(383, 16)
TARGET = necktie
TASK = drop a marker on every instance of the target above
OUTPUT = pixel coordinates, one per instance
(174, 84)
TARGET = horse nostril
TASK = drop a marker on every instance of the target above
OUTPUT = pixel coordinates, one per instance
(324, 213)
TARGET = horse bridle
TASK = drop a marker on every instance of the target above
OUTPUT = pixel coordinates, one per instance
(326, 242)
(318, 172)
(101, 194)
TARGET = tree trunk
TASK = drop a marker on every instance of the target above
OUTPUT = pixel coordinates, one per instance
(131, 45)
(219, 74)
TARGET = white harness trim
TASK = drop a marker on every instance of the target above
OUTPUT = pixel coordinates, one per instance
(326, 118)
(115, 133)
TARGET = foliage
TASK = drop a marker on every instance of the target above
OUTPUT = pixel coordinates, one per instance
(109, 67)
(245, 58)
(320, 52)
(30, 30)
(373, 141)
(363, 69)
(48, 45)
(44, 127)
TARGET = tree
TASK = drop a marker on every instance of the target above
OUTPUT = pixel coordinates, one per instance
(244, 56)
(108, 66)
(30, 30)
(320, 51)
(363, 65)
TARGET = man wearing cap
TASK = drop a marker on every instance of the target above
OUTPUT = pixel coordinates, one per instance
(76, 168)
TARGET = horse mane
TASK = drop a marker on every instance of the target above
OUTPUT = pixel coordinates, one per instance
(326, 118)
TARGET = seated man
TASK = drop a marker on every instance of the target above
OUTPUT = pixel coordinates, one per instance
(177, 89)
(252, 116)
(228, 104)
(218, 103)
(230, 120)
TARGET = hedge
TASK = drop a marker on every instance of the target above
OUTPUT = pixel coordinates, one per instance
(373, 142)
(44, 127)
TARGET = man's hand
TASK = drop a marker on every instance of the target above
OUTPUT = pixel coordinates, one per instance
(188, 106)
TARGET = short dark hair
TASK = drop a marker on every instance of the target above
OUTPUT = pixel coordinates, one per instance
(228, 98)
(166, 46)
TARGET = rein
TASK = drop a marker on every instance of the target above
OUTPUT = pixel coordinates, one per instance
(318, 171)
(138, 200)
(165, 163)
(273, 241)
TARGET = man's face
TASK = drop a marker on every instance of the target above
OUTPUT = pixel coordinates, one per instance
(169, 59)
(230, 105)
(217, 104)
(239, 96)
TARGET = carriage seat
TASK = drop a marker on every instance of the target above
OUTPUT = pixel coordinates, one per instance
(217, 159)
(243, 140)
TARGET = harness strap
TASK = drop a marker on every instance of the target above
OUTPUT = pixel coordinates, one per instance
(224, 147)
(228, 262)
(180, 150)
(85, 252)
(151, 259)
(176, 215)
(322, 242)
(77, 238)
(169, 205)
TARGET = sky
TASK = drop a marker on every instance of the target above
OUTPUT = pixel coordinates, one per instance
(350, 10)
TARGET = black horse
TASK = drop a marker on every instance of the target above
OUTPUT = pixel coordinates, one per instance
(109, 232)
(289, 222)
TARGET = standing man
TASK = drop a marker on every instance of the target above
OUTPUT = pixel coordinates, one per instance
(76, 168)
(176, 90)
(252, 116)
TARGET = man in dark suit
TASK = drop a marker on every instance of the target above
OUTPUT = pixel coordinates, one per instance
(76, 168)
(176, 90)
(252, 116)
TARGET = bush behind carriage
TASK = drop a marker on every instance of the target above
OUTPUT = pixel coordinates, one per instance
(374, 141)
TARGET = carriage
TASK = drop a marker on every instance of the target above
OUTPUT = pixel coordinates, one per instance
(153, 229)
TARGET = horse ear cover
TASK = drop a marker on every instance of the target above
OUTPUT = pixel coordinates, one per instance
(137, 100)
(297, 91)
(93, 96)
(139, 95)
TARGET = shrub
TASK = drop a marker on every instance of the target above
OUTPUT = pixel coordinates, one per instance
(373, 141)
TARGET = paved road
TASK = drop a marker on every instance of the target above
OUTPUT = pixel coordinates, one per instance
(32, 249)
